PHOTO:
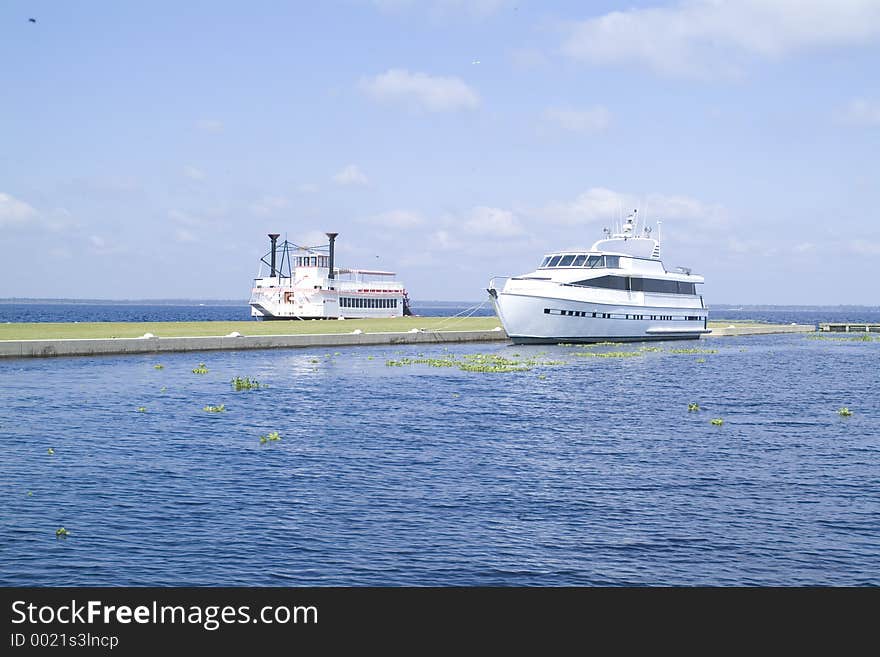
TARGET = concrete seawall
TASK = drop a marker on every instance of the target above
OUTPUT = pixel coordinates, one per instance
(107, 346)
(760, 329)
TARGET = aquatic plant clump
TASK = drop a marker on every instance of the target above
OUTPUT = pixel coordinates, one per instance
(609, 354)
(844, 338)
(844, 412)
(201, 369)
(272, 436)
(215, 409)
(693, 407)
(476, 363)
(50, 451)
(245, 383)
(717, 421)
(141, 409)
(158, 366)
(61, 532)
(693, 351)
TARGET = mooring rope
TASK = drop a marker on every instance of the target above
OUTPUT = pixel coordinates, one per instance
(460, 317)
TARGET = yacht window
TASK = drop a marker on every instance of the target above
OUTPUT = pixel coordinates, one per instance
(612, 262)
(579, 261)
(566, 261)
(687, 288)
(607, 282)
(594, 261)
(544, 261)
(553, 261)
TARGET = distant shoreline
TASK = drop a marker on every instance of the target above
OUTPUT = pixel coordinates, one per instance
(731, 307)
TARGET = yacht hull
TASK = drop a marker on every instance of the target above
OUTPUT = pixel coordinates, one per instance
(530, 319)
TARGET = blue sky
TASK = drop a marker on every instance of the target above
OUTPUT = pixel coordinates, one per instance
(147, 148)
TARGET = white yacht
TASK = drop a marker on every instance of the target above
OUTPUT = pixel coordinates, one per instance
(617, 290)
(296, 282)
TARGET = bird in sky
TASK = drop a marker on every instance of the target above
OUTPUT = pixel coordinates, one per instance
(32, 20)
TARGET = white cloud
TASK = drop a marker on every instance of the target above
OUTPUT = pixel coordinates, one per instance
(184, 236)
(586, 122)
(14, 212)
(443, 240)
(600, 204)
(862, 112)
(864, 247)
(350, 175)
(209, 125)
(706, 37)
(270, 205)
(103, 246)
(396, 219)
(307, 188)
(433, 93)
(193, 173)
(493, 222)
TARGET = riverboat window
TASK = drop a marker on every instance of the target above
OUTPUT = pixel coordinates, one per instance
(544, 262)
(553, 261)
(579, 261)
(566, 261)
(612, 262)
(594, 262)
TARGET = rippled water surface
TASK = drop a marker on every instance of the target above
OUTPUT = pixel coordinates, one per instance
(588, 472)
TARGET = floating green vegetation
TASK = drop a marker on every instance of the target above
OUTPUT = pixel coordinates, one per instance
(272, 436)
(141, 409)
(336, 353)
(456, 394)
(370, 357)
(246, 383)
(844, 412)
(701, 360)
(717, 421)
(61, 533)
(609, 354)
(314, 360)
(158, 366)
(693, 407)
(163, 388)
(542, 376)
(201, 369)
(30, 493)
(843, 338)
(476, 363)
(50, 451)
(650, 349)
(215, 409)
(693, 351)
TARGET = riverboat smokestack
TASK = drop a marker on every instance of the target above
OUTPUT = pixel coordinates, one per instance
(274, 238)
(332, 237)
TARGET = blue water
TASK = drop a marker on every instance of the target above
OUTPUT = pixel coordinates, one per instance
(588, 473)
(131, 312)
